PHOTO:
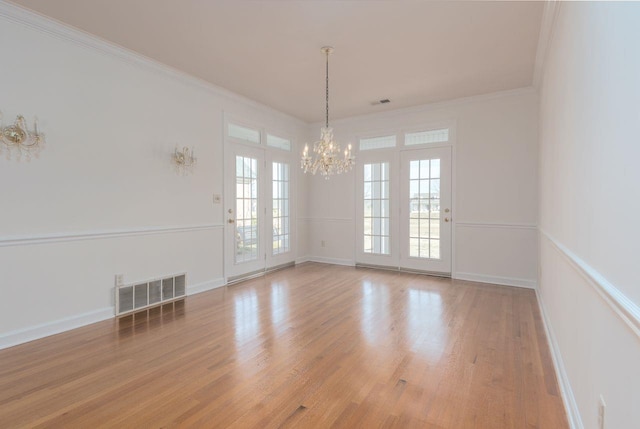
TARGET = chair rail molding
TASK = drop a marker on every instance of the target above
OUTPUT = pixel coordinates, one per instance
(470, 224)
(626, 309)
(24, 240)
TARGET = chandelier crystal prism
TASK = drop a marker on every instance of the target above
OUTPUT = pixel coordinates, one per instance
(327, 154)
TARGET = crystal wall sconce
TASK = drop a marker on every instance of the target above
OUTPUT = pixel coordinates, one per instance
(184, 159)
(17, 138)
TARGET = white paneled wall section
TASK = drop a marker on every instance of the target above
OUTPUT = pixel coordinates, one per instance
(103, 198)
(589, 182)
(495, 186)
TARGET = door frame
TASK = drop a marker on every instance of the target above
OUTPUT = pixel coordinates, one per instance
(400, 132)
(269, 154)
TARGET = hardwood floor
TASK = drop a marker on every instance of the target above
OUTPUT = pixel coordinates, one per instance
(307, 347)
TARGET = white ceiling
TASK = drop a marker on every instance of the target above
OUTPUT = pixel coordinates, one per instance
(408, 51)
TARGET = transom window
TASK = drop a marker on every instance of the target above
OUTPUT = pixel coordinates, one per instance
(426, 137)
(378, 142)
(243, 133)
(278, 142)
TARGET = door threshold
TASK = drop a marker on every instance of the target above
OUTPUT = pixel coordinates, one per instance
(404, 270)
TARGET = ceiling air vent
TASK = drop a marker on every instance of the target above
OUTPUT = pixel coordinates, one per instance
(383, 101)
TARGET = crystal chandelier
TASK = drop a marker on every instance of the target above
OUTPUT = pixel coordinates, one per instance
(18, 138)
(327, 153)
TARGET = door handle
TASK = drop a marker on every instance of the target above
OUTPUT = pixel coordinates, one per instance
(446, 219)
(231, 221)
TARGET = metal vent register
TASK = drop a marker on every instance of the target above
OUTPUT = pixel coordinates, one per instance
(137, 296)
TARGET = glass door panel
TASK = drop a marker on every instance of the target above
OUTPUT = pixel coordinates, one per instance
(244, 211)
(425, 218)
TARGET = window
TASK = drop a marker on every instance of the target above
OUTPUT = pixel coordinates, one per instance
(376, 208)
(280, 208)
(278, 142)
(243, 133)
(425, 137)
(378, 142)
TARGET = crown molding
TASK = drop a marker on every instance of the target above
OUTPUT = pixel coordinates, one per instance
(547, 27)
(51, 27)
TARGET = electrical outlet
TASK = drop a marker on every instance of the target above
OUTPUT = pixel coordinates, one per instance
(601, 408)
(322, 243)
(217, 198)
(119, 279)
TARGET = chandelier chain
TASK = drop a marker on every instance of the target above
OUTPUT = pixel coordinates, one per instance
(327, 92)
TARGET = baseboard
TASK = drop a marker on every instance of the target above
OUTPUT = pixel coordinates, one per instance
(498, 280)
(21, 336)
(332, 261)
(205, 286)
(302, 260)
(570, 405)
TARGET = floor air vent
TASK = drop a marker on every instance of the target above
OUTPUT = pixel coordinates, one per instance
(137, 296)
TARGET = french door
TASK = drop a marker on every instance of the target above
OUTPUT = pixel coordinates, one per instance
(258, 216)
(404, 209)
(245, 211)
(425, 210)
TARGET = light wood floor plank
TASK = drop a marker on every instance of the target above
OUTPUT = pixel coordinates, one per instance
(313, 346)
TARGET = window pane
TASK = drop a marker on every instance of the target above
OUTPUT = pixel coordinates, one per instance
(414, 247)
(425, 137)
(414, 169)
(435, 168)
(244, 133)
(434, 228)
(435, 249)
(279, 143)
(377, 142)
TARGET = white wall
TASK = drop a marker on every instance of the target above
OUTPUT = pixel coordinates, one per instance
(103, 198)
(496, 186)
(589, 187)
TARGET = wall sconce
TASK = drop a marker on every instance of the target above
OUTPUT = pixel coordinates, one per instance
(184, 160)
(17, 137)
